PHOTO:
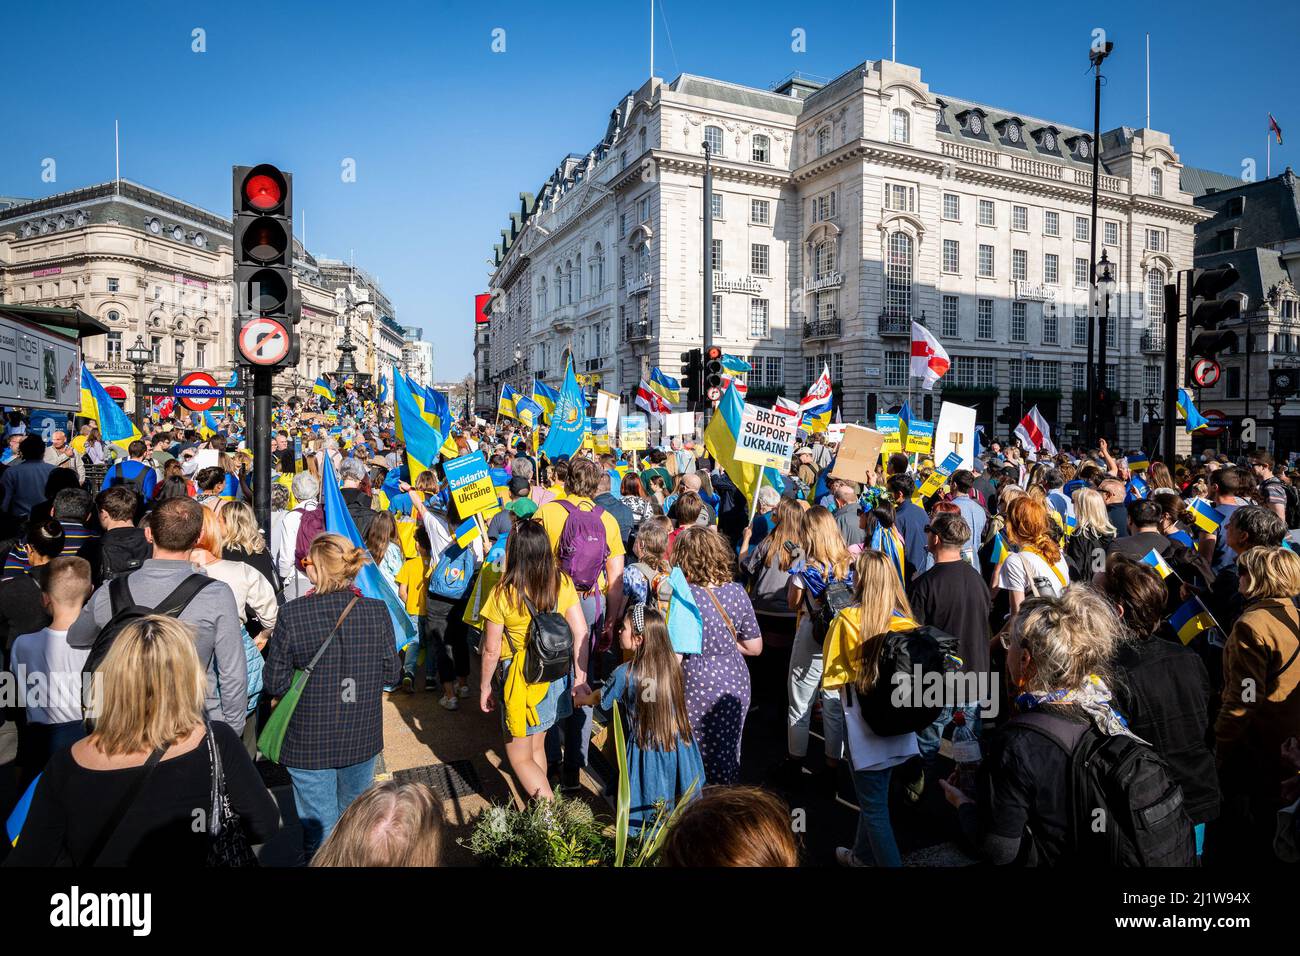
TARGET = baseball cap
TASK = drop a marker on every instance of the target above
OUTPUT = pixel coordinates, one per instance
(522, 507)
(519, 486)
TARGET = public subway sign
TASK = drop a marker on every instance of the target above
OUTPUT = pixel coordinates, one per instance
(38, 367)
(470, 483)
(766, 437)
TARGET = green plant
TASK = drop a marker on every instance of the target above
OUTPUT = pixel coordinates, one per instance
(562, 832)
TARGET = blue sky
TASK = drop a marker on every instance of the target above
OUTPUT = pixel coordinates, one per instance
(445, 133)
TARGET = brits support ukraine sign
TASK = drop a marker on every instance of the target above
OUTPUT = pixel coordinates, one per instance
(767, 436)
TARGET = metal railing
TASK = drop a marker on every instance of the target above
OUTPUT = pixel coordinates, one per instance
(822, 329)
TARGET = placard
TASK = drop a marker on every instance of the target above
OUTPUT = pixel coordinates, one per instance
(766, 437)
(940, 474)
(955, 432)
(632, 430)
(679, 423)
(470, 483)
(835, 433)
(890, 427)
(920, 438)
(859, 452)
(599, 435)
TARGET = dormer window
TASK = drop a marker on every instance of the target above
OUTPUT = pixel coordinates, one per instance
(972, 122)
(1046, 138)
(824, 140)
(1080, 146)
(1157, 182)
(1236, 206)
(1013, 131)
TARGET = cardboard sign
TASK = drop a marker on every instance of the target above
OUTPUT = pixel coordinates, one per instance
(766, 437)
(679, 423)
(891, 428)
(955, 432)
(470, 483)
(920, 438)
(634, 433)
(859, 451)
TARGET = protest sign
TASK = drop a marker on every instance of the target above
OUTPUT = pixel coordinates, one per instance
(470, 483)
(600, 435)
(766, 437)
(920, 438)
(941, 473)
(859, 452)
(634, 433)
(955, 432)
(890, 427)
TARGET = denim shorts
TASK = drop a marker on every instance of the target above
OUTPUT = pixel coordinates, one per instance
(556, 705)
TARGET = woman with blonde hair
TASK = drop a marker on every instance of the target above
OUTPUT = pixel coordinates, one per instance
(241, 540)
(333, 738)
(1086, 548)
(852, 653)
(824, 569)
(717, 680)
(1036, 567)
(391, 824)
(126, 795)
(1261, 705)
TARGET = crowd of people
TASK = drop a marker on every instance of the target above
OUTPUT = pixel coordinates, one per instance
(947, 663)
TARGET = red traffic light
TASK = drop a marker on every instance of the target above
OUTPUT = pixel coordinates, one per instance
(714, 354)
(264, 188)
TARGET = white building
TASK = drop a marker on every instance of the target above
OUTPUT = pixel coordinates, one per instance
(417, 356)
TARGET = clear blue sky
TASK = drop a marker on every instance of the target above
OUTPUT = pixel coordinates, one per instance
(445, 133)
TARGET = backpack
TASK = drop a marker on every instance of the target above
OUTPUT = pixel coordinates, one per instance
(548, 649)
(454, 572)
(658, 587)
(118, 477)
(837, 596)
(312, 524)
(896, 704)
(582, 546)
(1141, 805)
(1292, 506)
(122, 554)
(123, 610)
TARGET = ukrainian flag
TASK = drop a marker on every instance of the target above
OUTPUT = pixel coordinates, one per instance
(1138, 461)
(1191, 619)
(1204, 515)
(1000, 549)
(666, 387)
(114, 426)
(466, 532)
(887, 542)
(1071, 524)
(816, 405)
(323, 387)
(720, 440)
(1195, 420)
(501, 483)
(1154, 559)
(1183, 538)
(735, 365)
(528, 411)
(422, 440)
(506, 403)
(208, 426)
(546, 397)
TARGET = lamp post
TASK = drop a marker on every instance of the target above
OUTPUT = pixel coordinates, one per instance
(180, 360)
(139, 355)
(1276, 401)
(1152, 403)
(1098, 52)
(1105, 284)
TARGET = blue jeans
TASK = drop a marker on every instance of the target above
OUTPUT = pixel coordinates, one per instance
(321, 796)
(568, 738)
(411, 658)
(875, 840)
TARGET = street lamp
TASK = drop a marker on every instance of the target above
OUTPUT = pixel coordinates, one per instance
(1105, 287)
(180, 359)
(1152, 403)
(1276, 401)
(139, 355)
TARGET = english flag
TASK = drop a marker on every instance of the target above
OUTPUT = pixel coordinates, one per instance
(929, 360)
(1034, 431)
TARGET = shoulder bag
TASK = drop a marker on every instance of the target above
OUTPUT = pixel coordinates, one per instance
(228, 845)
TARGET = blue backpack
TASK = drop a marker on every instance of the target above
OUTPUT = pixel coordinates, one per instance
(454, 573)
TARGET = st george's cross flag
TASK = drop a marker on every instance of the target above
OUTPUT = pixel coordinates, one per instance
(1034, 431)
(929, 359)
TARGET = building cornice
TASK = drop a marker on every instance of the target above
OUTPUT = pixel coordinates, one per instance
(690, 165)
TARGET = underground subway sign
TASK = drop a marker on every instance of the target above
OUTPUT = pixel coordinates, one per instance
(766, 436)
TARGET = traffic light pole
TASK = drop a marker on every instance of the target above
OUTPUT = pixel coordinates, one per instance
(1170, 397)
(1096, 320)
(261, 434)
(708, 270)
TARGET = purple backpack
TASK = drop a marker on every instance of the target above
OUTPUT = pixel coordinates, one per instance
(583, 547)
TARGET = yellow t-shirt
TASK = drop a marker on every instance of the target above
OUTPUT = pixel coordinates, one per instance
(415, 575)
(552, 515)
(558, 491)
(501, 608)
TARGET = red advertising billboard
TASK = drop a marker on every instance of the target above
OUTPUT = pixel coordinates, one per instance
(480, 304)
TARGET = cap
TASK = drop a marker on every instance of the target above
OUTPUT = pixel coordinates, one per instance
(802, 450)
(522, 507)
(519, 486)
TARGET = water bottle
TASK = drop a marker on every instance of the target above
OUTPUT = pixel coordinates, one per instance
(959, 746)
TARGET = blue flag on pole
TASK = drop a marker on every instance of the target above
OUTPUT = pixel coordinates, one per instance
(569, 420)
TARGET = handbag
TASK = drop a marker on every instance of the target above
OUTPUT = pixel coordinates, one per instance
(228, 845)
(271, 740)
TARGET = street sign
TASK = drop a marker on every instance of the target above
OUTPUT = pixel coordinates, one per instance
(1205, 372)
(766, 436)
(1220, 421)
(264, 341)
(158, 389)
(199, 391)
(715, 394)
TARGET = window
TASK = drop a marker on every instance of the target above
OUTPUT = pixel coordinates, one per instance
(896, 369)
(1079, 376)
(951, 255)
(898, 276)
(761, 148)
(716, 200)
(113, 347)
(576, 277)
(824, 259)
(717, 315)
(1051, 268)
(622, 226)
(622, 161)
(641, 139)
(112, 284)
(1226, 239)
(949, 328)
(775, 371)
(1016, 372)
(713, 139)
(1112, 333)
(1050, 324)
(643, 209)
(824, 140)
(986, 212)
(201, 355)
(541, 293)
(717, 255)
(1019, 324)
(760, 212)
(758, 318)
(1112, 234)
(900, 126)
(1080, 273)
(113, 316)
(962, 374)
(1020, 218)
(1156, 240)
(823, 207)
(952, 207)
(155, 345)
(1111, 371)
(1081, 228)
(825, 307)
(1155, 303)
(760, 259)
(1051, 223)
(900, 198)
(598, 268)
(986, 261)
(1151, 377)
(984, 319)
(986, 372)
(1157, 182)
(1080, 328)
(1019, 264)
(1288, 308)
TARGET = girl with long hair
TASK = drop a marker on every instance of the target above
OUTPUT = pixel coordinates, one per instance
(663, 762)
(384, 546)
(532, 580)
(644, 579)
(1085, 550)
(242, 540)
(638, 503)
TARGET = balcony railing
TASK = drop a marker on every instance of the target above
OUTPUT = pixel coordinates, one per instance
(636, 331)
(822, 329)
(1036, 167)
(638, 284)
(1153, 340)
(898, 324)
(970, 154)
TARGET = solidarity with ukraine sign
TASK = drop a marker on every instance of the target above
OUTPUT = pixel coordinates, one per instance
(470, 483)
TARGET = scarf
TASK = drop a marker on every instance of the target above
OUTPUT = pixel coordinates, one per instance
(1093, 697)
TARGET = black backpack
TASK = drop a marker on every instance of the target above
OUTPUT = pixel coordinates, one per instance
(120, 554)
(124, 610)
(1125, 808)
(837, 596)
(548, 650)
(118, 477)
(1292, 506)
(896, 704)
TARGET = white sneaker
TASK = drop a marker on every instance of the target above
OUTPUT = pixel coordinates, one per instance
(450, 703)
(844, 856)
(462, 691)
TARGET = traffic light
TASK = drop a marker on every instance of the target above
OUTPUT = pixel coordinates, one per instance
(713, 374)
(692, 370)
(1206, 310)
(1004, 416)
(266, 306)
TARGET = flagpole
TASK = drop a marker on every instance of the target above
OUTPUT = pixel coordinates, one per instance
(1268, 154)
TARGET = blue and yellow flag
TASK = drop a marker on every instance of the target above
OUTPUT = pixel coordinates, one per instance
(422, 440)
(735, 365)
(383, 389)
(887, 542)
(528, 411)
(1204, 515)
(207, 426)
(1071, 524)
(14, 824)
(547, 397)
(323, 387)
(1154, 559)
(1191, 619)
(506, 403)
(1195, 421)
(114, 426)
(1138, 461)
(1136, 490)
(720, 438)
(1001, 550)
(466, 532)
(665, 386)
(569, 420)
(369, 580)
(1181, 537)
(816, 405)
